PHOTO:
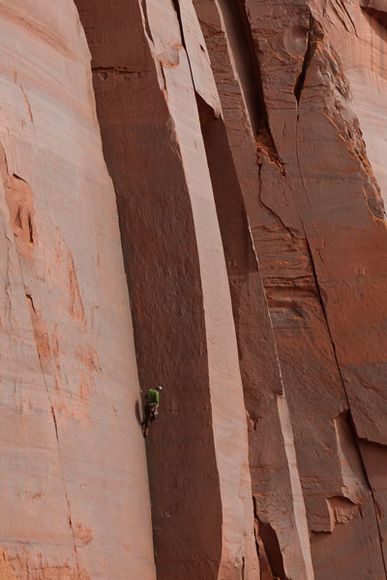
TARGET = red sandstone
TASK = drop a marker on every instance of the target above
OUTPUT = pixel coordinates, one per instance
(191, 194)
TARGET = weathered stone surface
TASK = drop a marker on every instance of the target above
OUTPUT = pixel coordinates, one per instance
(333, 286)
(276, 487)
(246, 144)
(74, 495)
(185, 337)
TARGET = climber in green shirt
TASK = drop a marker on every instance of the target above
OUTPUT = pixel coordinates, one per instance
(151, 411)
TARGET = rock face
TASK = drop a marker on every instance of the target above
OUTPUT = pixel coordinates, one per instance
(245, 141)
(74, 496)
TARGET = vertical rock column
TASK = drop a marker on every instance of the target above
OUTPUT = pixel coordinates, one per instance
(282, 531)
(74, 495)
(185, 338)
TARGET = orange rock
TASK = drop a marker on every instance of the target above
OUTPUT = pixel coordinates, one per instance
(246, 143)
(74, 486)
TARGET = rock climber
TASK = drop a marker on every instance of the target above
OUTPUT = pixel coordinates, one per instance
(151, 410)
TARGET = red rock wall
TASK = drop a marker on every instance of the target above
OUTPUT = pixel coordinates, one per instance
(246, 142)
(312, 236)
(74, 498)
(185, 337)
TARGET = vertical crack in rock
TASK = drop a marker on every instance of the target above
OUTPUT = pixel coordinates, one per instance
(242, 266)
(176, 6)
(27, 101)
(8, 282)
(242, 45)
(315, 35)
(272, 549)
(202, 76)
(31, 302)
(4, 177)
(236, 239)
(19, 196)
(53, 415)
(69, 518)
(222, 37)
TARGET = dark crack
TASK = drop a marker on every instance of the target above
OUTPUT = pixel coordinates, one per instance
(244, 48)
(315, 35)
(176, 6)
(272, 548)
(55, 423)
(30, 299)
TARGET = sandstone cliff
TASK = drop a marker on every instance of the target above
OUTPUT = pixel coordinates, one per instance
(192, 195)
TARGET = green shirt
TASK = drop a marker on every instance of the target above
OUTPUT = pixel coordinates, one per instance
(153, 396)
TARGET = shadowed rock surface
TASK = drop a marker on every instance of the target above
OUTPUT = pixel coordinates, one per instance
(191, 194)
